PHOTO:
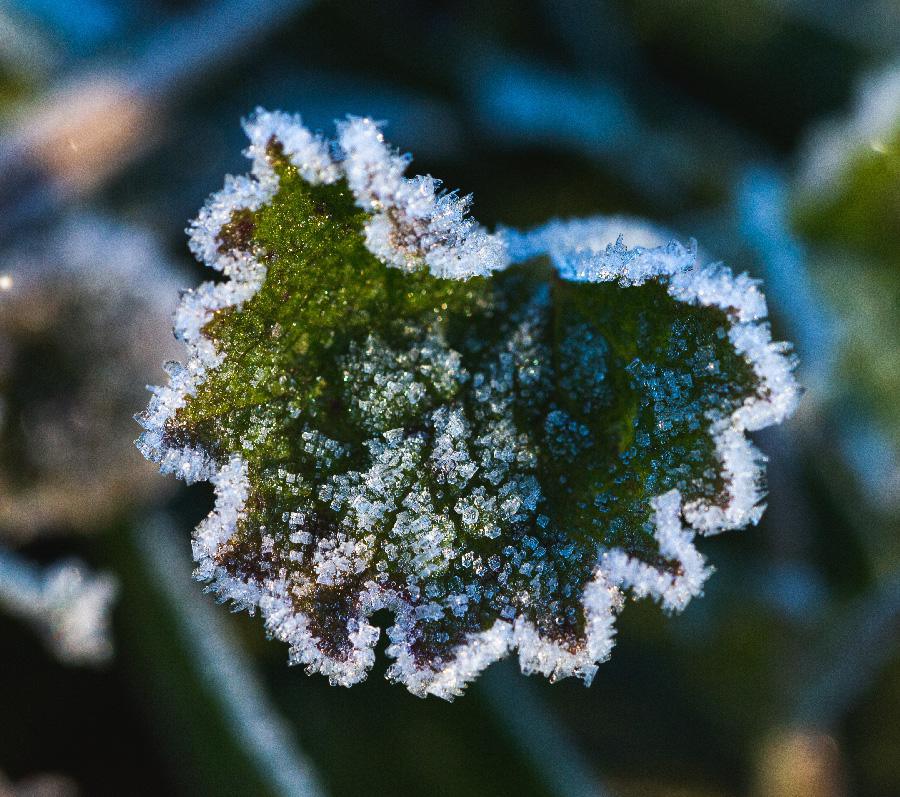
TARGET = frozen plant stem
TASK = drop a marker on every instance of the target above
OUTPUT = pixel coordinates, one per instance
(495, 436)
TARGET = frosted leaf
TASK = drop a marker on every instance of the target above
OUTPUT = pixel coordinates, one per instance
(496, 452)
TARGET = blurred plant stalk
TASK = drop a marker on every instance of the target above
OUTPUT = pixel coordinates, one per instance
(223, 666)
(71, 140)
(544, 742)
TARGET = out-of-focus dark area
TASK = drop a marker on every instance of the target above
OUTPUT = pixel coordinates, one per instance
(769, 130)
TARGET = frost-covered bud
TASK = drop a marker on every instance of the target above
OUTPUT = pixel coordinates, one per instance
(77, 606)
(68, 604)
(83, 316)
(401, 411)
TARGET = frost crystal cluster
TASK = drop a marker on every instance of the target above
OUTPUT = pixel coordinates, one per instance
(494, 437)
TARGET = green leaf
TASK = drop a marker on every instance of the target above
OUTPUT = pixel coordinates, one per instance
(400, 410)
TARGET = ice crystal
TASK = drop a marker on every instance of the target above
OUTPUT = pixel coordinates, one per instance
(492, 436)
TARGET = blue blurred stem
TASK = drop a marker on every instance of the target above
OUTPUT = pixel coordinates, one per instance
(221, 661)
(544, 742)
(858, 644)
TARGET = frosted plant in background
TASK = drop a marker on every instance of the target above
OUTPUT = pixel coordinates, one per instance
(838, 147)
(494, 436)
(846, 201)
(66, 384)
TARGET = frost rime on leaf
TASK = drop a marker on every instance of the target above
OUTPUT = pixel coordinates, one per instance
(398, 412)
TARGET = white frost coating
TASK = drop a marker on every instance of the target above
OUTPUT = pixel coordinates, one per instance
(711, 285)
(582, 235)
(468, 661)
(602, 600)
(716, 285)
(675, 542)
(239, 193)
(232, 488)
(287, 625)
(310, 153)
(273, 598)
(593, 250)
(627, 266)
(337, 557)
(413, 223)
(776, 397)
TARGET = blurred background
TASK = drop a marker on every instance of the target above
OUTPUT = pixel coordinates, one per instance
(767, 129)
